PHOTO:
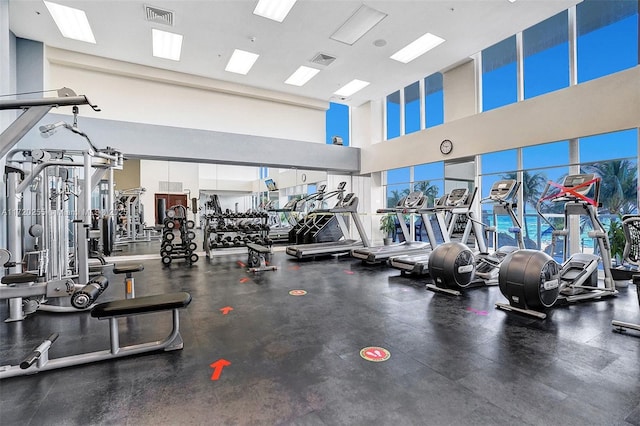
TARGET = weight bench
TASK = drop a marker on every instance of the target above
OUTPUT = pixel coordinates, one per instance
(38, 360)
(258, 258)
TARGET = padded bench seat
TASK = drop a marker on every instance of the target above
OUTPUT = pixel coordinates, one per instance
(19, 278)
(258, 248)
(141, 305)
(128, 268)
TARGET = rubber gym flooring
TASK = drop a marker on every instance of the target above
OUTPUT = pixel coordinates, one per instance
(295, 360)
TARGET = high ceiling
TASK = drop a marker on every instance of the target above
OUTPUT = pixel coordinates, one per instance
(212, 29)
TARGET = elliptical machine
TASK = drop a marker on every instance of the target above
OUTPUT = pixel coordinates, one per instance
(533, 281)
(503, 196)
(631, 255)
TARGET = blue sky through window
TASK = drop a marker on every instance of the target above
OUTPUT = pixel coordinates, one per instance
(337, 123)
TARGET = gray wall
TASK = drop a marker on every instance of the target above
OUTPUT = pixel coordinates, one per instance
(137, 140)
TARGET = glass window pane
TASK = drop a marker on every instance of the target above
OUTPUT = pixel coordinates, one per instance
(500, 161)
(609, 146)
(412, 108)
(499, 80)
(432, 189)
(607, 37)
(393, 115)
(547, 155)
(434, 100)
(618, 185)
(396, 192)
(430, 171)
(398, 175)
(537, 232)
(337, 123)
(546, 56)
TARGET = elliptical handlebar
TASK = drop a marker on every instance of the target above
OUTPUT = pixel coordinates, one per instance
(574, 188)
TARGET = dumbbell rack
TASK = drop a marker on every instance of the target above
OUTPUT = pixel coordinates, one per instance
(178, 237)
(229, 230)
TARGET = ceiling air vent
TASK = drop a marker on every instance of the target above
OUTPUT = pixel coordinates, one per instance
(161, 16)
(323, 59)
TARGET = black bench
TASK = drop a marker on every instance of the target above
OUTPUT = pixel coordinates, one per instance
(141, 305)
(258, 256)
(110, 311)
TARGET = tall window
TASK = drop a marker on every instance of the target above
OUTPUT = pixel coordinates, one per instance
(398, 185)
(607, 37)
(393, 115)
(412, 108)
(546, 56)
(613, 157)
(429, 178)
(499, 78)
(433, 100)
(337, 123)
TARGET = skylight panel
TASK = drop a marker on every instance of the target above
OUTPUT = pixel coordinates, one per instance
(241, 61)
(72, 23)
(302, 76)
(166, 45)
(352, 87)
(417, 48)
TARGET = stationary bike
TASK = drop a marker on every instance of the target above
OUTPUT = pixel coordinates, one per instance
(532, 281)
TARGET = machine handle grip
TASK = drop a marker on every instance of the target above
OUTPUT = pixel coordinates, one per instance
(37, 352)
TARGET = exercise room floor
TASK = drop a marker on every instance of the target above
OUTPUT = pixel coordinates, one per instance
(296, 359)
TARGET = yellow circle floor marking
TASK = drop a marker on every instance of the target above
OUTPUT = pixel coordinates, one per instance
(297, 292)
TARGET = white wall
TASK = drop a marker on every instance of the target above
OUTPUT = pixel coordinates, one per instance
(459, 91)
(135, 93)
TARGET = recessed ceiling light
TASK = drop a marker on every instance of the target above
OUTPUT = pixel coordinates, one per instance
(72, 23)
(352, 87)
(302, 75)
(512, 1)
(241, 61)
(166, 45)
(276, 10)
(358, 25)
(416, 48)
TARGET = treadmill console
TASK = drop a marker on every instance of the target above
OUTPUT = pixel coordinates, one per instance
(413, 200)
(442, 201)
(502, 189)
(457, 196)
(290, 204)
(341, 186)
(347, 200)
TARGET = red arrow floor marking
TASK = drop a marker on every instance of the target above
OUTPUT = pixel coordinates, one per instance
(483, 313)
(244, 280)
(294, 268)
(226, 310)
(348, 272)
(217, 368)
(242, 265)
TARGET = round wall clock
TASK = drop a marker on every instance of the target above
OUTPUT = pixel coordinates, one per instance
(446, 146)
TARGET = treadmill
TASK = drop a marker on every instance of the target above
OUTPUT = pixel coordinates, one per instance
(377, 254)
(418, 263)
(347, 206)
